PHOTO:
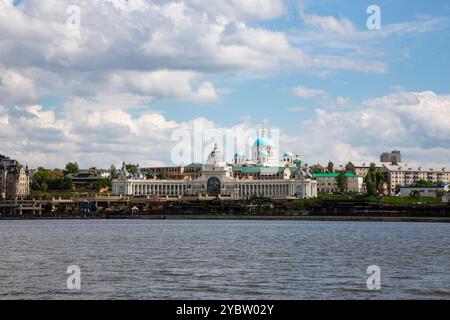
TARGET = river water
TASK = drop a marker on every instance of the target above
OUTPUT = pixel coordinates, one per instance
(210, 259)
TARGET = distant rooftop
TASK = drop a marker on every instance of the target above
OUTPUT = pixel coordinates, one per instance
(366, 164)
(406, 167)
(195, 164)
(258, 169)
(348, 174)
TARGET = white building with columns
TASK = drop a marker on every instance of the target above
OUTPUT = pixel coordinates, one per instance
(242, 179)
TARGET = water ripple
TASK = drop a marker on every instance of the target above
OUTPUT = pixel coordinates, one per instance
(164, 259)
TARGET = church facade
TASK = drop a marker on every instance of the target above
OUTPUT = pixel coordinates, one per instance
(263, 175)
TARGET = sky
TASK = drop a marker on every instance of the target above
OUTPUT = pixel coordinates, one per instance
(105, 81)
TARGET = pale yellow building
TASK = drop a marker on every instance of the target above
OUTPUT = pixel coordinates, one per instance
(14, 179)
(361, 168)
(327, 183)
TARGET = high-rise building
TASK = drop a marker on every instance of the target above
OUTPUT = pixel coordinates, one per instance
(391, 157)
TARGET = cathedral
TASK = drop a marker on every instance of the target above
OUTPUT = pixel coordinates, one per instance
(265, 174)
(264, 154)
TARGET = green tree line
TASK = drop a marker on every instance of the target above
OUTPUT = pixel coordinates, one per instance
(45, 180)
(50, 179)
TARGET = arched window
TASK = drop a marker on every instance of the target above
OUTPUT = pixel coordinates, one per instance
(213, 186)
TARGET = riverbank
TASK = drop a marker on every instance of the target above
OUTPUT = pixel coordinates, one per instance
(246, 217)
(327, 205)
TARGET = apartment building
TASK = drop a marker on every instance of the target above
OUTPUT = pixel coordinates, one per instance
(404, 175)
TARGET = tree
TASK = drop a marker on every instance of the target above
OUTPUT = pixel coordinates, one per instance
(162, 176)
(131, 168)
(71, 168)
(316, 168)
(380, 179)
(373, 179)
(424, 183)
(66, 183)
(397, 189)
(439, 193)
(41, 178)
(370, 184)
(103, 183)
(414, 194)
(342, 181)
(330, 167)
(60, 183)
(38, 181)
(113, 172)
(46, 179)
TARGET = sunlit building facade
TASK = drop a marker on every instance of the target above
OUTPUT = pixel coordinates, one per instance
(14, 179)
(263, 175)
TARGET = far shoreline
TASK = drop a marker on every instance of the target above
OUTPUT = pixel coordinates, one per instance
(247, 218)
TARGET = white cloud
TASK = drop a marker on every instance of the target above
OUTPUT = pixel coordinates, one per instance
(129, 6)
(95, 137)
(142, 50)
(91, 134)
(414, 122)
(206, 92)
(129, 53)
(153, 49)
(321, 97)
(172, 35)
(308, 93)
(149, 35)
(98, 137)
(108, 101)
(16, 88)
(162, 83)
(339, 43)
(249, 9)
(329, 23)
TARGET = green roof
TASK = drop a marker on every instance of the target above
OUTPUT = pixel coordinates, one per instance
(85, 174)
(195, 164)
(151, 174)
(299, 162)
(348, 174)
(256, 169)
